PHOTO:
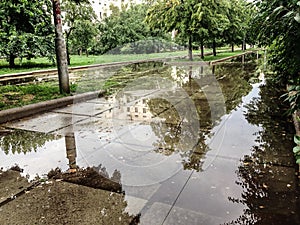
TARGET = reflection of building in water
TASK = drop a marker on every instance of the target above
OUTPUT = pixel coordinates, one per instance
(129, 105)
(139, 111)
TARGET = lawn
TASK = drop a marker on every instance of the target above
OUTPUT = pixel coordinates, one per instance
(76, 60)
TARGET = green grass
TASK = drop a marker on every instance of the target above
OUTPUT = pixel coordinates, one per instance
(76, 60)
(18, 95)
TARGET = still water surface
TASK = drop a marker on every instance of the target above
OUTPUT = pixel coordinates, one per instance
(185, 146)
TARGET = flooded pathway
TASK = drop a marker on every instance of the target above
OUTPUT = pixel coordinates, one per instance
(174, 145)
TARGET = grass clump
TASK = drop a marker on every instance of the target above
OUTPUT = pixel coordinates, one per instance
(19, 95)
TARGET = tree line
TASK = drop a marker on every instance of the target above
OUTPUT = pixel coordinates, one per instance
(27, 31)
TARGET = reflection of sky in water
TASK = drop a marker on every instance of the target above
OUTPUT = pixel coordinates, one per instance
(47, 157)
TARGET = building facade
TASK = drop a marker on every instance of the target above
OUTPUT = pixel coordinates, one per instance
(102, 8)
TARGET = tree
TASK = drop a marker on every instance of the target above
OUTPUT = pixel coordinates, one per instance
(234, 33)
(60, 47)
(25, 29)
(75, 14)
(125, 26)
(83, 36)
(277, 27)
(172, 15)
(194, 20)
(218, 21)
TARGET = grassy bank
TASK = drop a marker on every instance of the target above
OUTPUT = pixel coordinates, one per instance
(12, 96)
(76, 60)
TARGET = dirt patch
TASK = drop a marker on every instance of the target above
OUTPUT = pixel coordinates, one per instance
(11, 183)
(58, 202)
(27, 97)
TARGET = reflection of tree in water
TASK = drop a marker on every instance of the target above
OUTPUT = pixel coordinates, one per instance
(170, 129)
(19, 141)
(175, 133)
(234, 82)
(126, 74)
(267, 175)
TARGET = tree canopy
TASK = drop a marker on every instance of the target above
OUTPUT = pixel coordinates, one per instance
(200, 21)
(26, 29)
(75, 17)
(278, 26)
(124, 26)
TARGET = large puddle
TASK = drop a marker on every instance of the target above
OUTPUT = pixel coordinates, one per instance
(182, 145)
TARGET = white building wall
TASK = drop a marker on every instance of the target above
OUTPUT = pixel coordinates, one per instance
(102, 7)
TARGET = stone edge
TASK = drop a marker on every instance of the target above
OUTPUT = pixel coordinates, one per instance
(41, 107)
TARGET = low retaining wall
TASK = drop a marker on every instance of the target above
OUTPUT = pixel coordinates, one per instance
(41, 107)
(228, 58)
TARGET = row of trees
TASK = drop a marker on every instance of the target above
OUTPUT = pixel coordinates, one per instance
(26, 28)
(209, 22)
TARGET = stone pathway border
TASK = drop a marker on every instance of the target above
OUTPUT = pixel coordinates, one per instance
(32, 109)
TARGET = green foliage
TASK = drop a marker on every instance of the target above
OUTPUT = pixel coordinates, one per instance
(277, 24)
(293, 97)
(240, 14)
(277, 28)
(83, 37)
(80, 21)
(20, 141)
(18, 95)
(201, 21)
(26, 29)
(124, 27)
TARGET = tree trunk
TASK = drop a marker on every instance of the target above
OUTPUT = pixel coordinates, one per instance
(202, 49)
(232, 47)
(60, 48)
(190, 49)
(67, 47)
(12, 58)
(244, 44)
(214, 48)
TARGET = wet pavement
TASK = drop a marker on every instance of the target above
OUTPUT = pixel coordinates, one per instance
(174, 145)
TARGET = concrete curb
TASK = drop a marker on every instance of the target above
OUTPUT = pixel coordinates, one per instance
(41, 107)
(214, 62)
